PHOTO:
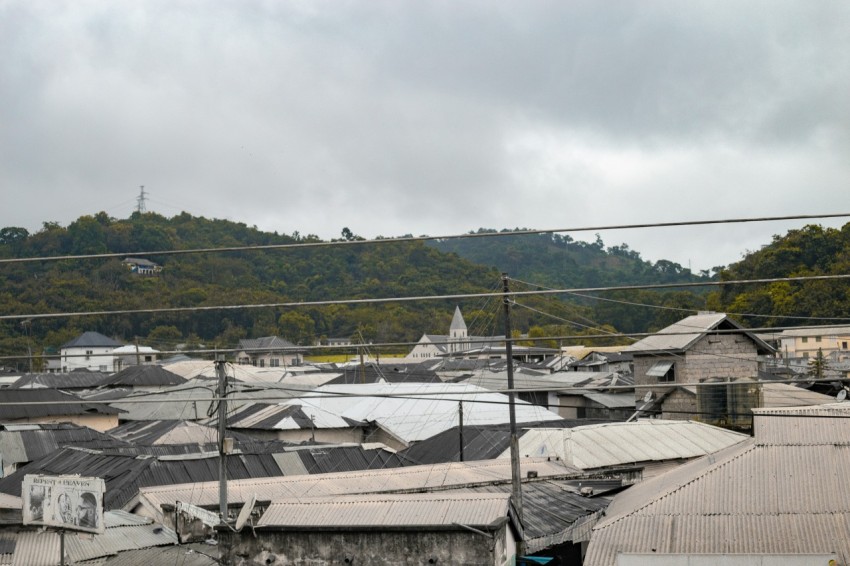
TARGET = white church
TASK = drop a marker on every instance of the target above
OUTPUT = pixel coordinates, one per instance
(455, 342)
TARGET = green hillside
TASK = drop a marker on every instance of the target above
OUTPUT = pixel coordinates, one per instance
(811, 251)
(354, 271)
(368, 271)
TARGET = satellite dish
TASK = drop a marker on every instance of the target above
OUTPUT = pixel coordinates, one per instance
(842, 395)
(648, 397)
(245, 512)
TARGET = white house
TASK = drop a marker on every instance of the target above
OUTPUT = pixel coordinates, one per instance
(90, 350)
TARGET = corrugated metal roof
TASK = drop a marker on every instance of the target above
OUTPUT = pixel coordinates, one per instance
(74, 380)
(41, 548)
(20, 444)
(418, 411)
(143, 375)
(782, 494)
(182, 555)
(419, 510)
(787, 395)
(374, 481)
(613, 400)
(482, 442)
(30, 404)
(614, 444)
(683, 334)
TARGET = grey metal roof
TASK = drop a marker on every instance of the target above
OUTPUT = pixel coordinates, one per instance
(616, 444)
(783, 491)
(373, 481)
(554, 511)
(73, 380)
(142, 375)
(482, 442)
(91, 339)
(37, 403)
(389, 510)
(24, 443)
(41, 548)
(181, 555)
(681, 335)
(266, 343)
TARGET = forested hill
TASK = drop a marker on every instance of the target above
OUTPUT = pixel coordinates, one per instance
(559, 261)
(361, 271)
(222, 278)
(813, 250)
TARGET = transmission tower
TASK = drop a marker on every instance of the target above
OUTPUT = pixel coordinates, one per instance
(140, 200)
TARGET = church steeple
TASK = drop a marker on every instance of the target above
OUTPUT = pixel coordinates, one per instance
(457, 330)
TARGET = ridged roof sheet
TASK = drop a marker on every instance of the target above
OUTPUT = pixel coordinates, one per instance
(419, 510)
(615, 444)
(41, 548)
(783, 492)
(683, 334)
(416, 411)
(374, 481)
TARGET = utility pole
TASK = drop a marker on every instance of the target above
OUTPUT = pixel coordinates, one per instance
(516, 478)
(222, 430)
(460, 427)
(26, 324)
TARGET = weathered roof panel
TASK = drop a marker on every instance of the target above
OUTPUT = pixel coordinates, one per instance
(419, 510)
(614, 444)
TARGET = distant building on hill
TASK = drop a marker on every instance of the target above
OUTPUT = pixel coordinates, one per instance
(141, 266)
(91, 351)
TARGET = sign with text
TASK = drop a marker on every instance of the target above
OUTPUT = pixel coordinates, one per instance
(65, 502)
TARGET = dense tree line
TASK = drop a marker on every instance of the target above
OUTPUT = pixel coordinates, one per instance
(363, 271)
(810, 251)
(356, 271)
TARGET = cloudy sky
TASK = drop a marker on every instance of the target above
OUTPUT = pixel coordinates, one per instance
(432, 117)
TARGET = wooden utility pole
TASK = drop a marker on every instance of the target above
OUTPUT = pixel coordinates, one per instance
(460, 427)
(516, 478)
(222, 430)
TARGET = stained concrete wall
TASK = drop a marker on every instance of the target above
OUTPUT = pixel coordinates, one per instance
(375, 547)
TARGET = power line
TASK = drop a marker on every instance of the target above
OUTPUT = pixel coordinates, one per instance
(318, 244)
(425, 297)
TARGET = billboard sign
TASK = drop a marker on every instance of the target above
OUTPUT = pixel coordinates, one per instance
(65, 502)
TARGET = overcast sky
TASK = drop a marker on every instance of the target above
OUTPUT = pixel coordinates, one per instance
(431, 117)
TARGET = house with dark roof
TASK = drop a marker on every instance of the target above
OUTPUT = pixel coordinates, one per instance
(269, 351)
(90, 350)
(675, 367)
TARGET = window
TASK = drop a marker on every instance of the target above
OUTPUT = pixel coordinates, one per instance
(274, 362)
(663, 371)
(844, 345)
(102, 368)
(805, 354)
(88, 354)
(817, 338)
(148, 358)
(805, 339)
